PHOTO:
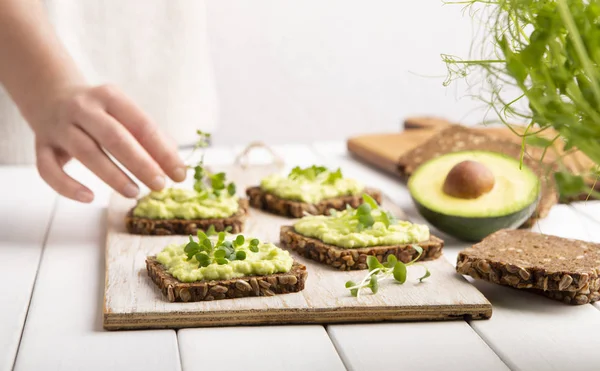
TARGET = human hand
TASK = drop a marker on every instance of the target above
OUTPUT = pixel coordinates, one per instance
(82, 122)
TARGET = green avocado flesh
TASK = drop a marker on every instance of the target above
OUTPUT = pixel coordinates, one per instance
(268, 260)
(510, 202)
(342, 231)
(310, 190)
(178, 203)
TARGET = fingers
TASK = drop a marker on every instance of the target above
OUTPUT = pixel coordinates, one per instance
(83, 148)
(49, 164)
(144, 130)
(120, 143)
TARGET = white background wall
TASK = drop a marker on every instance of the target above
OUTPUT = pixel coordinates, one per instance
(291, 71)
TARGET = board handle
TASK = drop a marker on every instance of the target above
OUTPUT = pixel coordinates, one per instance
(242, 158)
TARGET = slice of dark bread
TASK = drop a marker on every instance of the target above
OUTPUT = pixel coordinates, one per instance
(148, 226)
(295, 209)
(553, 266)
(355, 258)
(457, 138)
(269, 285)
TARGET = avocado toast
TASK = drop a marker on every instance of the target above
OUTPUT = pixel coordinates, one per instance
(211, 202)
(344, 239)
(222, 266)
(181, 211)
(313, 190)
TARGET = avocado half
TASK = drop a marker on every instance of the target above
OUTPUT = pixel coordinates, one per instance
(510, 202)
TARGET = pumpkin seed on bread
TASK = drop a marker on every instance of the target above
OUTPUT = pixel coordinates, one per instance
(559, 268)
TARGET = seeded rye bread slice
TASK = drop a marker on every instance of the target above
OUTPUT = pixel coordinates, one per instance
(148, 226)
(559, 268)
(458, 138)
(355, 258)
(295, 209)
(269, 285)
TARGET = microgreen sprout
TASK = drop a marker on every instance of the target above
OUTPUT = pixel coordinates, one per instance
(364, 216)
(207, 251)
(207, 183)
(378, 272)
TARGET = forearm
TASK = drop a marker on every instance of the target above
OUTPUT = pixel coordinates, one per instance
(34, 64)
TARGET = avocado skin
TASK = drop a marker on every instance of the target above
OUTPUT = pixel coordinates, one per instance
(474, 229)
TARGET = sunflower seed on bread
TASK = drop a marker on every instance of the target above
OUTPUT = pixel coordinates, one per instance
(559, 268)
(263, 200)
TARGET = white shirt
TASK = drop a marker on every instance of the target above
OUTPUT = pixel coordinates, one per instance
(156, 51)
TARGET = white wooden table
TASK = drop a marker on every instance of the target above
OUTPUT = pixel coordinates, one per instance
(52, 275)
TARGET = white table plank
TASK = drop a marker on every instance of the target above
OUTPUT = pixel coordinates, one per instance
(64, 326)
(26, 205)
(413, 346)
(258, 348)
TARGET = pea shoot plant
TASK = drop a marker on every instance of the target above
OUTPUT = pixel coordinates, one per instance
(313, 173)
(367, 214)
(206, 183)
(549, 52)
(220, 251)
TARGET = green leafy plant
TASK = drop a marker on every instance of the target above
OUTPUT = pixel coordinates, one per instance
(378, 272)
(549, 52)
(222, 251)
(207, 183)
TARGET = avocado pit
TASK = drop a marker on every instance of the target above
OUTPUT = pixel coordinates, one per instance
(468, 180)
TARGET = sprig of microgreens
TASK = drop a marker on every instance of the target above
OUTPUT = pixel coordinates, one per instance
(220, 251)
(311, 173)
(205, 182)
(392, 268)
(365, 215)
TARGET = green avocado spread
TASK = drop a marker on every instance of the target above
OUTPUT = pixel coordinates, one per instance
(311, 185)
(342, 230)
(177, 203)
(268, 259)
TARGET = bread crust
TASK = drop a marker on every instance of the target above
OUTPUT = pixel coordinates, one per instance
(149, 226)
(355, 258)
(559, 268)
(269, 285)
(267, 201)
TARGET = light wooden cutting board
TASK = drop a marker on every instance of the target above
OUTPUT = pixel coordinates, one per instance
(133, 302)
